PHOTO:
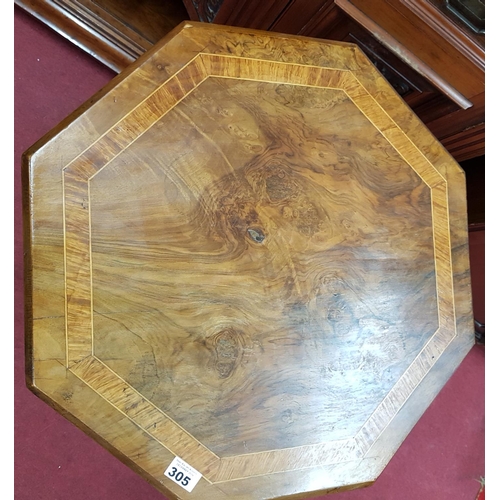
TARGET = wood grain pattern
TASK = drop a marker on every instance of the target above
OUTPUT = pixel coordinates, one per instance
(257, 258)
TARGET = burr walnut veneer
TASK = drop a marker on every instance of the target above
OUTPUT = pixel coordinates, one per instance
(246, 252)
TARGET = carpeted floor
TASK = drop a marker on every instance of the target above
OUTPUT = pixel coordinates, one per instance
(442, 458)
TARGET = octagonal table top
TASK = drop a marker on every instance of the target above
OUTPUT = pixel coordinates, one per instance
(247, 266)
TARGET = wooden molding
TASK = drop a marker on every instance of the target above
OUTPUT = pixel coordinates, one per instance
(110, 38)
(91, 32)
(448, 30)
(391, 43)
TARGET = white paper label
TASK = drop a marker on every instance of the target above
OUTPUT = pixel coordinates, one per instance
(183, 474)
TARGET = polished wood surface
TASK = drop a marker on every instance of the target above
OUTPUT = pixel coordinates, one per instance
(246, 251)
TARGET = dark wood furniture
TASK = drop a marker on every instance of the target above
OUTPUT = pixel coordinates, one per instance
(246, 252)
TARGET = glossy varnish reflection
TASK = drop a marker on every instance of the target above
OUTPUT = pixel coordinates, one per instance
(257, 261)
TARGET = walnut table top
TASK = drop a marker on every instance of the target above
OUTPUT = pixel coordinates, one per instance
(247, 266)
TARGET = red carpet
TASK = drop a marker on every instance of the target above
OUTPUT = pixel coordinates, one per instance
(442, 459)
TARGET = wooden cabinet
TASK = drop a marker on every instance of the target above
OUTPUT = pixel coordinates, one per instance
(435, 62)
